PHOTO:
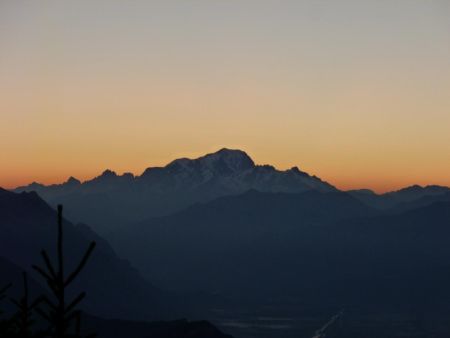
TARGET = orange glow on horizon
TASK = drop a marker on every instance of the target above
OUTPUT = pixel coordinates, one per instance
(353, 92)
(348, 180)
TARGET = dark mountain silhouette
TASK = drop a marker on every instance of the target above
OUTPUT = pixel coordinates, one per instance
(260, 237)
(115, 288)
(110, 199)
(414, 196)
(421, 202)
(174, 329)
(321, 249)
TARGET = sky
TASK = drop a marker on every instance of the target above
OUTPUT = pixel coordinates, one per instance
(356, 92)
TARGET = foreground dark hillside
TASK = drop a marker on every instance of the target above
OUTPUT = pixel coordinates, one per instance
(114, 288)
(108, 328)
(104, 328)
(27, 225)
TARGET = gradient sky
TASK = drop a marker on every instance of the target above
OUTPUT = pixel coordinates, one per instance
(356, 92)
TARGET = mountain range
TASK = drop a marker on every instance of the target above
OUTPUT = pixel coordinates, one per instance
(110, 200)
(406, 198)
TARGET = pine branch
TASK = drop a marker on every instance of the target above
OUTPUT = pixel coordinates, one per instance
(60, 315)
(22, 320)
(75, 302)
(3, 291)
(42, 272)
(83, 262)
(48, 302)
(48, 263)
(44, 315)
(36, 302)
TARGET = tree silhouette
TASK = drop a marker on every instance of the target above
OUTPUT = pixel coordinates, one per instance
(61, 314)
(22, 321)
(2, 294)
(5, 324)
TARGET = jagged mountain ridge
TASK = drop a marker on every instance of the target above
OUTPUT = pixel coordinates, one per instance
(112, 199)
(403, 199)
(231, 166)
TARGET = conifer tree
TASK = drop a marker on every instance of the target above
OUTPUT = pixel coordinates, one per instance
(3, 294)
(4, 323)
(22, 321)
(61, 315)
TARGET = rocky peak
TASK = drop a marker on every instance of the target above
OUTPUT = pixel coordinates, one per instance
(108, 173)
(73, 181)
(233, 160)
(225, 161)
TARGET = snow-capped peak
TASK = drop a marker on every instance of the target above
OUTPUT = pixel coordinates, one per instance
(225, 161)
(234, 160)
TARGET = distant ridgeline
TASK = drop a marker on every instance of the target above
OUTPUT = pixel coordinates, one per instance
(110, 200)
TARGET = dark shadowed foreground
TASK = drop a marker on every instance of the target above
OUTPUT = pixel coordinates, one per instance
(53, 313)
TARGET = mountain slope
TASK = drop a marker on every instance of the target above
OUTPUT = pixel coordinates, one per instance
(114, 288)
(110, 200)
(403, 199)
(207, 245)
(10, 273)
(310, 248)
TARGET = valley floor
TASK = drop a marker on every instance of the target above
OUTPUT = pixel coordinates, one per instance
(334, 325)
